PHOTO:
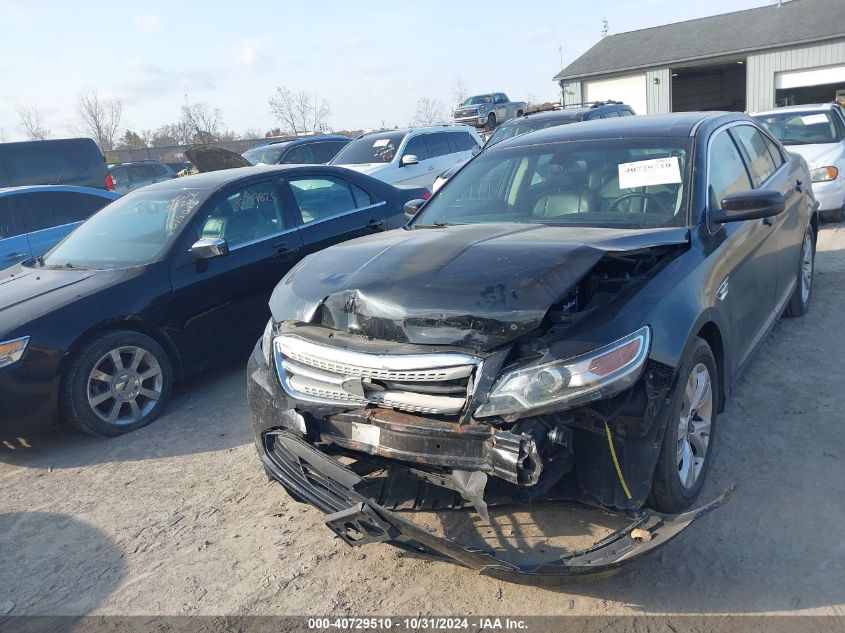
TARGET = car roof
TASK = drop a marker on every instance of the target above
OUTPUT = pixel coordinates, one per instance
(448, 127)
(568, 114)
(303, 140)
(223, 177)
(143, 161)
(679, 125)
(11, 191)
(809, 107)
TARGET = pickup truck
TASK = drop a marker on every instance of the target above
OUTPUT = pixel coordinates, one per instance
(487, 111)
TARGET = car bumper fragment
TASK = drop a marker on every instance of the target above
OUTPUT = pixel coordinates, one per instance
(316, 478)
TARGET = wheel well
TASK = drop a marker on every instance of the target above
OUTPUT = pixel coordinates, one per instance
(132, 325)
(710, 333)
(814, 222)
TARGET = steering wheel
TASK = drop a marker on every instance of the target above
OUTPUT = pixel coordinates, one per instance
(636, 194)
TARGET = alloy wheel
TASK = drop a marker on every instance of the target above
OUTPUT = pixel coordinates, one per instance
(694, 425)
(806, 267)
(125, 385)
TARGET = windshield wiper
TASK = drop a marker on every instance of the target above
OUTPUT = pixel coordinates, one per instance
(434, 225)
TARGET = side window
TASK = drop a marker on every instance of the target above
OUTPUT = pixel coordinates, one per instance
(8, 226)
(362, 198)
(157, 170)
(248, 215)
(53, 208)
(299, 155)
(626, 113)
(324, 152)
(438, 144)
(727, 171)
(762, 165)
(319, 198)
(120, 176)
(416, 146)
(462, 141)
(774, 152)
(610, 115)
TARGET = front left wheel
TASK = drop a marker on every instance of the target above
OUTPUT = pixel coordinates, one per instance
(688, 441)
(118, 382)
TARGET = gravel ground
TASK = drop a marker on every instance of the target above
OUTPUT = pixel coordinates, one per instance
(178, 518)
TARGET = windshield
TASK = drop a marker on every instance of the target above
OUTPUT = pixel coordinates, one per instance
(133, 230)
(373, 148)
(630, 183)
(479, 100)
(801, 128)
(509, 130)
(266, 154)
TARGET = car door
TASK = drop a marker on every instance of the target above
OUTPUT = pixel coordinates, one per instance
(48, 216)
(747, 247)
(330, 209)
(418, 175)
(221, 303)
(14, 245)
(441, 155)
(770, 170)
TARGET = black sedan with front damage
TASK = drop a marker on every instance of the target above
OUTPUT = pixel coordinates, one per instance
(565, 319)
(163, 283)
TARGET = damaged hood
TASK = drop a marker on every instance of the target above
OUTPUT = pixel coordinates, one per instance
(476, 286)
(213, 158)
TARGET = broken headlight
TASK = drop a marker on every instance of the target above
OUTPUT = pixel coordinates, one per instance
(592, 376)
(267, 341)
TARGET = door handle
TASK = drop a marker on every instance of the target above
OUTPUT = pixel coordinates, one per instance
(12, 256)
(375, 225)
(798, 186)
(281, 248)
(768, 221)
(431, 168)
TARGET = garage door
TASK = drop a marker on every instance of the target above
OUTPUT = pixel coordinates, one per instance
(815, 77)
(630, 90)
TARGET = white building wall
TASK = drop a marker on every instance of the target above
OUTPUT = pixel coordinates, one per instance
(763, 67)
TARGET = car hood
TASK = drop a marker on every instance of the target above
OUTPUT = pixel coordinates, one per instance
(367, 168)
(476, 286)
(820, 154)
(213, 158)
(29, 293)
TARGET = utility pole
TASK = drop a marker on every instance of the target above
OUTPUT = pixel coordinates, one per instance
(604, 27)
(560, 50)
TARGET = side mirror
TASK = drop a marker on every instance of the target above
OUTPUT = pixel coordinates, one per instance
(476, 150)
(749, 205)
(412, 207)
(408, 159)
(209, 248)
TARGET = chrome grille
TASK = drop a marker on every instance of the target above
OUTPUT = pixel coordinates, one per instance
(437, 384)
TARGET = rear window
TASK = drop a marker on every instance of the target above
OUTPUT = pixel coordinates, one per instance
(373, 148)
(51, 162)
(266, 154)
(47, 209)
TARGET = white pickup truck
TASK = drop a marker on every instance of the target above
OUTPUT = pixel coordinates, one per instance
(487, 111)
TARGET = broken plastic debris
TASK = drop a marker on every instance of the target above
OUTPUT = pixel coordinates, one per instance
(638, 534)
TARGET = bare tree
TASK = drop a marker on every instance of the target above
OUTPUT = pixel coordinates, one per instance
(31, 123)
(100, 118)
(299, 112)
(459, 91)
(204, 122)
(430, 112)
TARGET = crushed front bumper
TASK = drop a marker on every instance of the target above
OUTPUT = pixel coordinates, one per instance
(316, 478)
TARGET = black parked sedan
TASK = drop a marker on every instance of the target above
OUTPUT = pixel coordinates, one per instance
(564, 319)
(164, 282)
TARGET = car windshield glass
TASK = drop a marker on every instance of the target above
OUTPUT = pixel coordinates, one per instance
(509, 130)
(479, 100)
(801, 128)
(133, 230)
(373, 148)
(625, 183)
(266, 154)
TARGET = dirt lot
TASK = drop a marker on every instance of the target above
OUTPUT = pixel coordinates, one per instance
(178, 518)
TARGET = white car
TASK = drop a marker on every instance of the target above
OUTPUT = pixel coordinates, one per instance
(410, 157)
(816, 132)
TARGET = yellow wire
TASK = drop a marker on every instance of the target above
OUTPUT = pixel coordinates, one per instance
(616, 463)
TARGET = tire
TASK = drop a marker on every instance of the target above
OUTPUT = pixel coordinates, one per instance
(118, 382)
(799, 302)
(693, 405)
(491, 122)
(834, 216)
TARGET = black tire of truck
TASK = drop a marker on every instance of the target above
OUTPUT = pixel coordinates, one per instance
(491, 122)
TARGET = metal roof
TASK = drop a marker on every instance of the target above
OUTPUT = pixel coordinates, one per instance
(795, 22)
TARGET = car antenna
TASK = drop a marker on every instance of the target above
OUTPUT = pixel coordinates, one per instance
(61, 175)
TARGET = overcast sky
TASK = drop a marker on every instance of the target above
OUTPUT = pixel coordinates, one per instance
(370, 60)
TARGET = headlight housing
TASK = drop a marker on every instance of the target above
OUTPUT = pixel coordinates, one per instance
(267, 341)
(12, 351)
(593, 376)
(824, 174)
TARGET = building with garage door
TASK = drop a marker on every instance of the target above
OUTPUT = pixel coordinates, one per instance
(784, 54)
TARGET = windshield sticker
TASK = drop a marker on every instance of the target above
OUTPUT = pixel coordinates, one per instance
(658, 171)
(382, 142)
(814, 119)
